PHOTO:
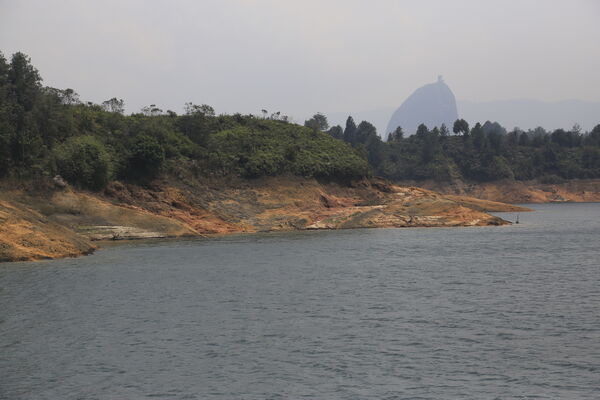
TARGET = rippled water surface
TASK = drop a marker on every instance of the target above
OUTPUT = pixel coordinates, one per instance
(474, 313)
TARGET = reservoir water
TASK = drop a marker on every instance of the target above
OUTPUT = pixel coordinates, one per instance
(462, 313)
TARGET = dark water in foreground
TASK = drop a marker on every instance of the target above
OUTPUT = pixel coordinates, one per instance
(474, 313)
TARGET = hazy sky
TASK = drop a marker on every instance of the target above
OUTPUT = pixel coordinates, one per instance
(300, 57)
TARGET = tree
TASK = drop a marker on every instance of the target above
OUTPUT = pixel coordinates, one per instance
(147, 156)
(444, 132)
(336, 132)
(151, 111)
(318, 122)
(479, 138)
(364, 132)
(422, 131)
(24, 90)
(594, 136)
(350, 130)
(6, 127)
(204, 109)
(114, 105)
(25, 81)
(397, 135)
(513, 137)
(493, 127)
(561, 138)
(524, 139)
(71, 97)
(461, 126)
(83, 161)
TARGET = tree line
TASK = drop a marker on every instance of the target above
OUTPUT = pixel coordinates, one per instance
(483, 152)
(46, 131)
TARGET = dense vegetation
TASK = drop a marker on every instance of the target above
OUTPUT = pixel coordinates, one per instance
(482, 153)
(46, 131)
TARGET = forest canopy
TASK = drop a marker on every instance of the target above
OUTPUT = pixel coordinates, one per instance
(46, 131)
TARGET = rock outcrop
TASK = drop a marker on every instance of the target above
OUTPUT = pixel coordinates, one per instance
(63, 223)
(433, 105)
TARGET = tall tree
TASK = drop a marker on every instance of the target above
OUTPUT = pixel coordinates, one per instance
(364, 132)
(204, 109)
(479, 137)
(461, 126)
(350, 130)
(422, 131)
(114, 105)
(444, 131)
(24, 92)
(397, 135)
(6, 127)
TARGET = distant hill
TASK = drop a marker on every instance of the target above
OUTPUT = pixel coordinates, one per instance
(522, 113)
(433, 105)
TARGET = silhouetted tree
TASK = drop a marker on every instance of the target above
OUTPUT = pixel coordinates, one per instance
(114, 105)
(350, 130)
(461, 126)
(444, 132)
(397, 135)
(336, 132)
(204, 109)
(422, 131)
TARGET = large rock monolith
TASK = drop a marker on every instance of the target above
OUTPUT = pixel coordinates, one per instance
(433, 105)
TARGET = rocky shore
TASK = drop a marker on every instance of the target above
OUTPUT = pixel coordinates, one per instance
(64, 222)
(520, 192)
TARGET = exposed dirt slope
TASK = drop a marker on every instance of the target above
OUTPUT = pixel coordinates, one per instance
(581, 190)
(25, 234)
(293, 203)
(60, 223)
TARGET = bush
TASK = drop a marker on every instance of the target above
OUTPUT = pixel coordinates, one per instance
(83, 161)
(146, 158)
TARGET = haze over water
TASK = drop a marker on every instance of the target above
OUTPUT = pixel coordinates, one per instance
(491, 312)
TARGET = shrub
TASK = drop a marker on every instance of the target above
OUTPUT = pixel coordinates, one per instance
(146, 158)
(83, 161)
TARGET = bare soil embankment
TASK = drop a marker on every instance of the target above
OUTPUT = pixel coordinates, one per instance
(66, 222)
(26, 234)
(520, 192)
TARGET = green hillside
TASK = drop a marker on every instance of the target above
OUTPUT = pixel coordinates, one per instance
(46, 131)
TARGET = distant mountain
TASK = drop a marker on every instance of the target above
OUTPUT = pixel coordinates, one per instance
(433, 105)
(522, 113)
(529, 114)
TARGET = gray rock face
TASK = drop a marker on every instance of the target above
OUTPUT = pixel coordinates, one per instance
(433, 105)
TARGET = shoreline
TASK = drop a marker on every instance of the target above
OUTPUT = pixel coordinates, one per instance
(60, 223)
(521, 192)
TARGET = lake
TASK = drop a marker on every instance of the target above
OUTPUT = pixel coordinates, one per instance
(507, 312)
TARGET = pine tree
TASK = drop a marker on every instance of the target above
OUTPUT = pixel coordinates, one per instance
(350, 131)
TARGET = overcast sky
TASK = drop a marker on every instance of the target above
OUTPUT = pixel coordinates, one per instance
(300, 57)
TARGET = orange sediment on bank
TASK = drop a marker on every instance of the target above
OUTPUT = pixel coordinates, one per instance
(65, 223)
(27, 235)
(519, 192)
